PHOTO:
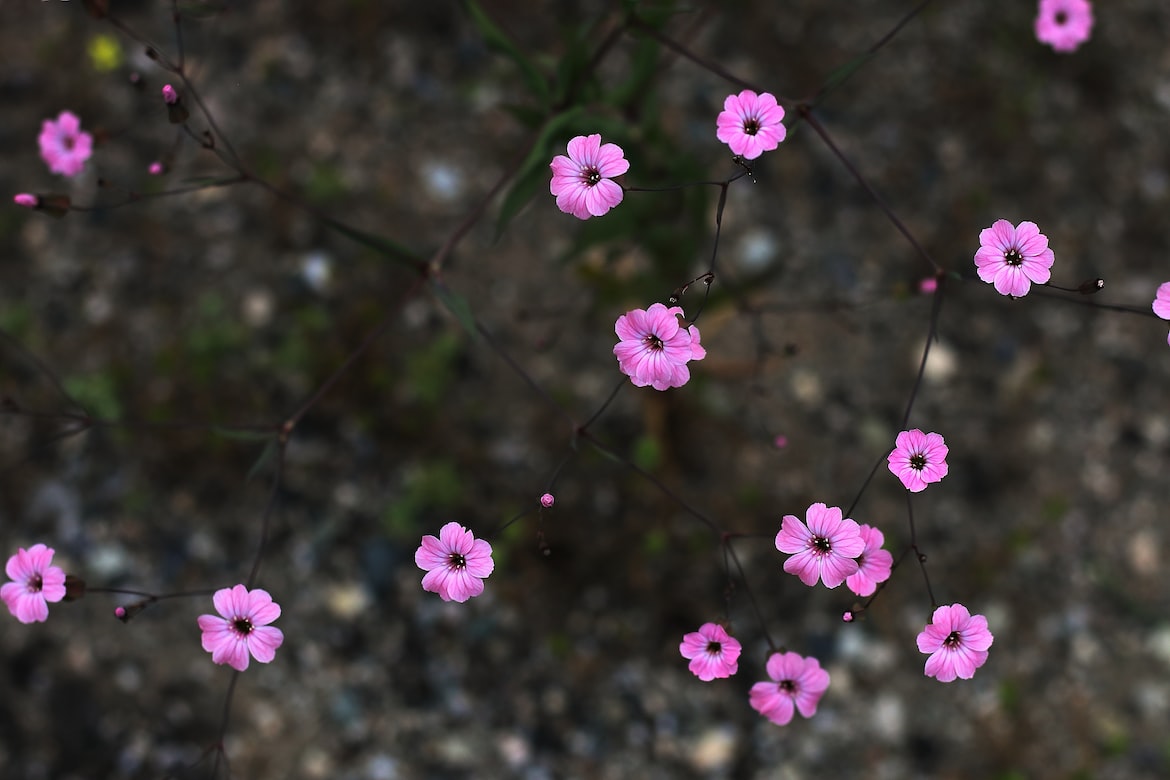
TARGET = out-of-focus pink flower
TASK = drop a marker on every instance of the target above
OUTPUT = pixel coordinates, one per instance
(918, 459)
(957, 642)
(456, 563)
(547, 500)
(712, 652)
(156, 168)
(241, 628)
(170, 95)
(751, 124)
(873, 565)
(797, 685)
(26, 199)
(582, 182)
(654, 349)
(1064, 24)
(35, 583)
(824, 549)
(1162, 303)
(1012, 258)
(64, 147)
(928, 285)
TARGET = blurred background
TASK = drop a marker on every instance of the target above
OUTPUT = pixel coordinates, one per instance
(175, 317)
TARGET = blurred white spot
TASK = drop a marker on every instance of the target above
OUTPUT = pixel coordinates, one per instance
(317, 271)
(442, 181)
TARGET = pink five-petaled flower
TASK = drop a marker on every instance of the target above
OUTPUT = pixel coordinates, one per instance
(751, 124)
(63, 146)
(873, 565)
(35, 582)
(654, 349)
(824, 549)
(581, 181)
(712, 652)
(242, 627)
(1064, 24)
(456, 563)
(797, 683)
(1162, 303)
(957, 642)
(1012, 258)
(918, 459)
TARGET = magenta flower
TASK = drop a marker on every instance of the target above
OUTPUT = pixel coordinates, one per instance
(456, 563)
(156, 168)
(26, 199)
(581, 181)
(918, 459)
(547, 500)
(1013, 257)
(824, 549)
(712, 652)
(654, 349)
(1162, 303)
(957, 642)
(751, 124)
(873, 565)
(797, 683)
(1064, 24)
(242, 627)
(35, 583)
(170, 96)
(63, 146)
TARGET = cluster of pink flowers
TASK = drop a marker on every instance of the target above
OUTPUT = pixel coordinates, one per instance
(455, 563)
(830, 548)
(918, 459)
(654, 349)
(1013, 258)
(1064, 24)
(64, 147)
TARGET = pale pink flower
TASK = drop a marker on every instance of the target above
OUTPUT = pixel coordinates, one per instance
(712, 652)
(751, 124)
(242, 627)
(654, 349)
(1064, 24)
(1162, 303)
(547, 500)
(873, 565)
(581, 181)
(957, 642)
(824, 549)
(64, 147)
(1012, 258)
(26, 199)
(918, 459)
(456, 563)
(798, 684)
(170, 96)
(35, 583)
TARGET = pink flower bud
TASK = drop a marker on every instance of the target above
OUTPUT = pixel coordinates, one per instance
(547, 500)
(156, 168)
(847, 617)
(27, 200)
(170, 95)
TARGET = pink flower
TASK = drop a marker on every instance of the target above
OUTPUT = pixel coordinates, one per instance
(928, 285)
(751, 124)
(170, 96)
(242, 627)
(654, 349)
(547, 500)
(1064, 24)
(34, 583)
(26, 199)
(713, 653)
(873, 565)
(456, 563)
(1162, 303)
(63, 146)
(918, 459)
(581, 181)
(797, 683)
(957, 642)
(824, 549)
(1013, 257)
(156, 168)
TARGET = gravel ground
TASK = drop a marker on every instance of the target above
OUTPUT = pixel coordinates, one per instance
(232, 307)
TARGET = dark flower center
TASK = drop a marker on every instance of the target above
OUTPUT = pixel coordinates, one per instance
(954, 639)
(35, 583)
(1013, 257)
(751, 126)
(591, 176)
(456, 561)
(1061, 17)
(242, 625)
(822, 544)
(918, 461)
(714, 648)
(653, 342)
(68, 142)
(787, 686)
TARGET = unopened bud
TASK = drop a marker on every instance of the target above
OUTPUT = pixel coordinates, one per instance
(28, 200)
(547, 500)
(156, 168)
(127, 612)
(170, 95)
(1090, 286)
(74, 588)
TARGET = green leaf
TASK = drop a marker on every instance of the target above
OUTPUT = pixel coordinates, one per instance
(266, 456)
(495, 38)
(384, 246)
